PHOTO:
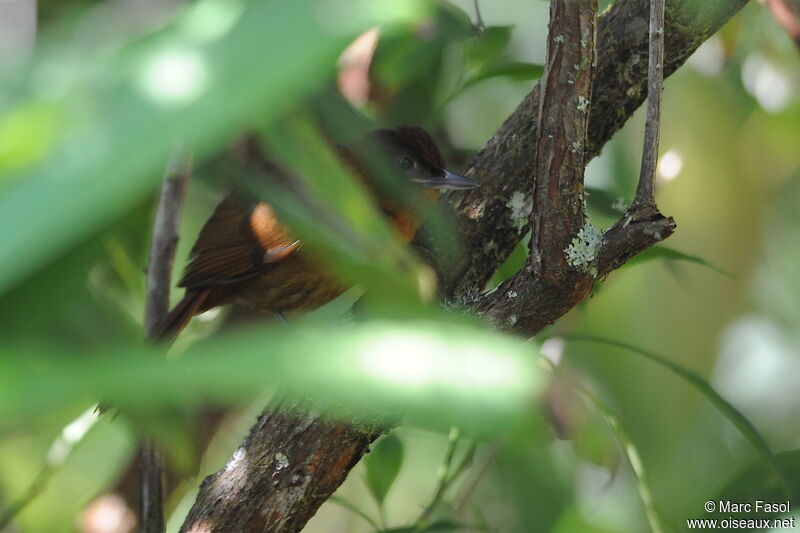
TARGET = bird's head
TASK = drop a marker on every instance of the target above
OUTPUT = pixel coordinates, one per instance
(413, 161)
(414, 155)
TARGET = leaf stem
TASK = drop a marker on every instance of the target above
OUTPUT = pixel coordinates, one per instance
(444, 478)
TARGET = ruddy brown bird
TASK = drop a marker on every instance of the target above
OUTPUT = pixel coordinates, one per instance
(244, 253)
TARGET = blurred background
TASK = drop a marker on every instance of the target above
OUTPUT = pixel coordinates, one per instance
(93, 99)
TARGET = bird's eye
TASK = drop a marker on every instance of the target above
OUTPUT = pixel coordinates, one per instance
(406, 163)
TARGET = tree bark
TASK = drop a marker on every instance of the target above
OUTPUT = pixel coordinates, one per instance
(291, 462)
(293, 459)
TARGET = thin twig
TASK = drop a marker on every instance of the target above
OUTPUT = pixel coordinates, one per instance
(165, 239)
(479, 25)
(645, 190)
(469, 488)
(444, 480)
(159, 274)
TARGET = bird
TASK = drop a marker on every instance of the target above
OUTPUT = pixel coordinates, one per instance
(245, 254)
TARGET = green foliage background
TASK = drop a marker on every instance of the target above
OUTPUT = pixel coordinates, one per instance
(628, 441)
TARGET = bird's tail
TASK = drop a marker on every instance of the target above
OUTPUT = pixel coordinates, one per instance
(180, 315)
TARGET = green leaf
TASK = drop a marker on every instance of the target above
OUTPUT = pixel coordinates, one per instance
(511, 70)
(487, 47)
(666, 253)
(740, 422)
(383, 464)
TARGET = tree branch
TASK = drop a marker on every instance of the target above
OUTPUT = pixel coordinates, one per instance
(291, 462)
(293, 459)
(159, 275)
(558, 200)
(646, 189)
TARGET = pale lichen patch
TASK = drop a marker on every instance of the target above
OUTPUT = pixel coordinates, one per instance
(281, 461)
(584, 248)
(520, 205)
(583, 103)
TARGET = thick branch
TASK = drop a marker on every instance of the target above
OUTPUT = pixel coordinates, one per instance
(319, 454)
(159, 274)
(555, 272)
(293, 459)
(558, 205)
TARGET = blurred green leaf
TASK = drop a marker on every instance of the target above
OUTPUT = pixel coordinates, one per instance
(440, 374)
(119, 114)
(511, 70)
(742, 424)
(663, 252)
(409, 66)
(383, 464)
(480, 50)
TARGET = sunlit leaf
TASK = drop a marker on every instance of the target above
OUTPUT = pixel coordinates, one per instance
(440, 374)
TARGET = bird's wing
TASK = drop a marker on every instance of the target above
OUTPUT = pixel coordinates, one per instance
(237, 243)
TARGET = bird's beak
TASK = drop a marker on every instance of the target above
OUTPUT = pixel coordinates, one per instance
(449, 181)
